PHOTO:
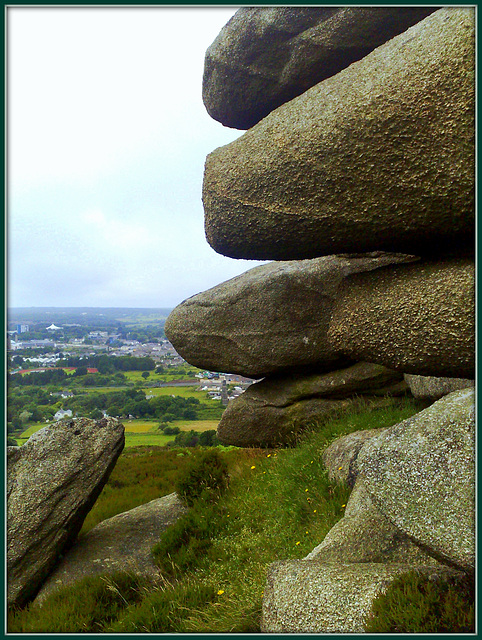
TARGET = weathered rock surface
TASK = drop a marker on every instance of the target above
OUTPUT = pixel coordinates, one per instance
(53, 481)
(377, 157)
(246, 424)
(365, 535)
(340, 457)
(121, 543)
(275, 410)
(314, 597)
(266, 56)
(273, 317)
(429, 388)
(420, 474)
(278, 317)
(419, 319)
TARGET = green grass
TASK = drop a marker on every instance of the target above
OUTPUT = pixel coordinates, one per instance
(279, 505)
(147, 440)
(142, 473)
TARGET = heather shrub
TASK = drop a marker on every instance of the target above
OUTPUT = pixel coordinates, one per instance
(206, 477)
(415, 604)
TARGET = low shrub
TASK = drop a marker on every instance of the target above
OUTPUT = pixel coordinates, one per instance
(415, 604)
(206, 477)
(170, 431)
(186, 541)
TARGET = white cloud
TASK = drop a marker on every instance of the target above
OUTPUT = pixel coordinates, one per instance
(107, 142)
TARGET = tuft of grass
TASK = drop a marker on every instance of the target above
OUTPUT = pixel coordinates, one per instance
(86, 607)
(415, 604)
(165, 610)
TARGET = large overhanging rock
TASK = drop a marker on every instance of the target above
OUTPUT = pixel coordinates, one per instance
(122, 543)
(266, 56)
(275, 410)
(416, 318)
(53, 481)
(272, 318)
(377, 157)
(421, 475)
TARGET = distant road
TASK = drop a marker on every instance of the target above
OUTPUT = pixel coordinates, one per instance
(39, 369)
(180, 383)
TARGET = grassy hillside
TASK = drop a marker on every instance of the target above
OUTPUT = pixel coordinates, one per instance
(278, 505)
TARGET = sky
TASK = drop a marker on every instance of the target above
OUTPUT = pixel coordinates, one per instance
(107, 138)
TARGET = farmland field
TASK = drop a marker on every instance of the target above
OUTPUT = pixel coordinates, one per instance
(140, 432)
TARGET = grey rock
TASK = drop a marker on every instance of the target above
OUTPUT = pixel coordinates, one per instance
(313, 597)
(279, 317)
(246, 424)
(429, 388)
(266, 56)
(122, 543)
(420, 475)
(340, 456)
(417, 319)
(275, 410)
(365, 535)
(272, 318)
(53, 481)
(377, 157)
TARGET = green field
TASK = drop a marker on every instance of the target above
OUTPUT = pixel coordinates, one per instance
(147, 439)
(140, 432)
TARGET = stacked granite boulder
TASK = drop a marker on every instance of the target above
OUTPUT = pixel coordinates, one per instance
(357, 178)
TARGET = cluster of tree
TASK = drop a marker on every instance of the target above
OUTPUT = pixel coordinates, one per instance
(110, 364)
(31, 404)
(38, 378)
(80, 378)
(133, 402)
(195, 439)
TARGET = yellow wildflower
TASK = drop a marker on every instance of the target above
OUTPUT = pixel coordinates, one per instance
(253, 467)
(298, 542)
(220, 592)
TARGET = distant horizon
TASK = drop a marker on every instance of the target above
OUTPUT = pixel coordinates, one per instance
(85, 307)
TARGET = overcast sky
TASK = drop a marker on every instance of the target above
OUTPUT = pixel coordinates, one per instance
(107, 138)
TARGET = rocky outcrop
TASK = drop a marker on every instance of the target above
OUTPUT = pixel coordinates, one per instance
(265, 56)
(429, 388)
(420, 474)
(330, 311)
(121, 543)
(365, 535)
(419, 319)
(53, 481)
(315, 597)
(377, 157)
(275, 410)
